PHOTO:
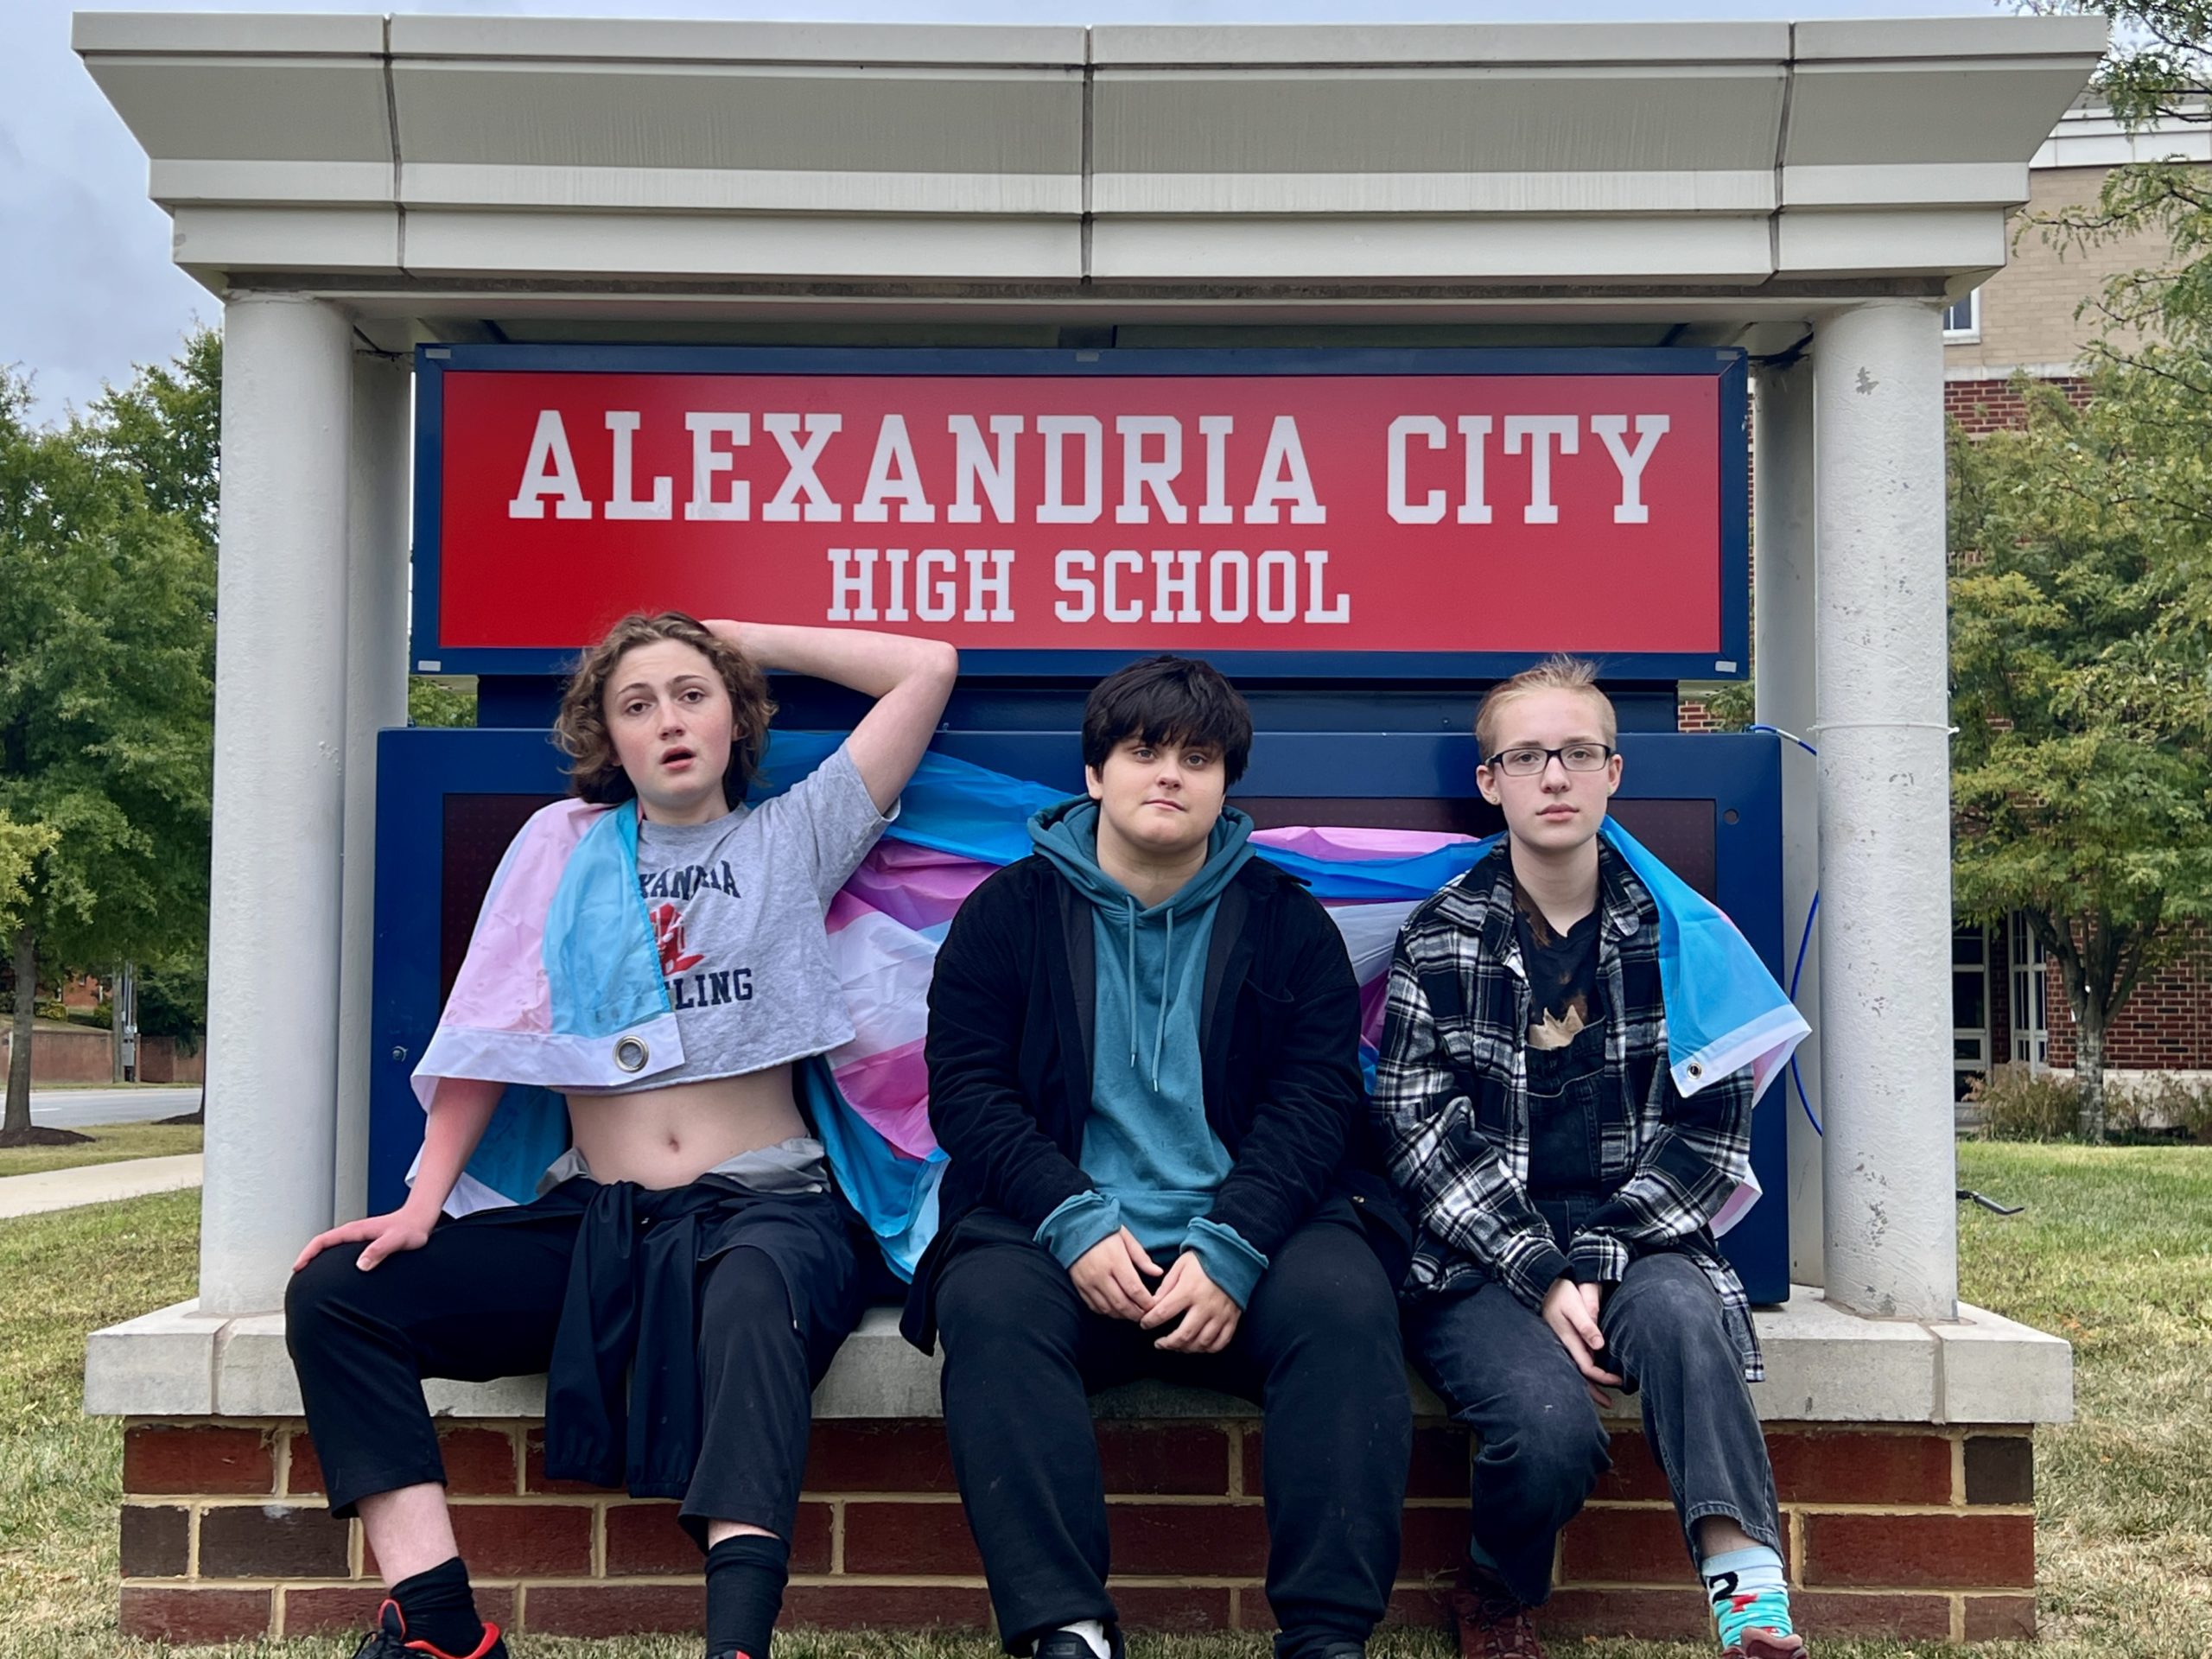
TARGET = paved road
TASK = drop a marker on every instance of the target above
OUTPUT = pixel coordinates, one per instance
(65, 1188)
(79, 1109)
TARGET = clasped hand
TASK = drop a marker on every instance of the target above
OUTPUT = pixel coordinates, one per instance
(1111, 1278)
(1571, 1310)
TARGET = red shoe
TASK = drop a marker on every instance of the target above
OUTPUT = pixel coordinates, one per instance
(1494, 1623)
(389, 1641)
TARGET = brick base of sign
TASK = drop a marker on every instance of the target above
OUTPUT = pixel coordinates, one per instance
(1910, 1532)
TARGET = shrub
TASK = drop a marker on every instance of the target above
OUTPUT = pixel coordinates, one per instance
(2164, 1105)
(2016, 1104)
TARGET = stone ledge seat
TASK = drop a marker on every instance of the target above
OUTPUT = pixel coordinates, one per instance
(1903, 1457)
(1823, 1365)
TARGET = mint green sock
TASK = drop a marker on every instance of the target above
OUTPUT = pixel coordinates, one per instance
(1748, 1592)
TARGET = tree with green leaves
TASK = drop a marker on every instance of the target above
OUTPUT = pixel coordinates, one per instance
(165, 429)
(2082, 771)
(106, 701)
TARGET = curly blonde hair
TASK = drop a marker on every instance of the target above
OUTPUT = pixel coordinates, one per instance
(1558, 673)
(580, 730)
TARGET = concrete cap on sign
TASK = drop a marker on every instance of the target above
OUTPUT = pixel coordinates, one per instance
(711, 41)
(1823, 1365)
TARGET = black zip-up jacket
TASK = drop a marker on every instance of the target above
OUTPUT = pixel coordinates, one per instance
(1013, 1009)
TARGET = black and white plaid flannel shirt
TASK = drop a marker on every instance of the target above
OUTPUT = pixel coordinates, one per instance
(1461, 1159)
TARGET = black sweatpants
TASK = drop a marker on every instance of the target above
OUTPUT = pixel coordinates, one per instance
(1317, 1349)
(482, 1299)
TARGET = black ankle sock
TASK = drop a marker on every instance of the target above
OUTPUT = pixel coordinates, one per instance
(745, 1592)
(441, 1609)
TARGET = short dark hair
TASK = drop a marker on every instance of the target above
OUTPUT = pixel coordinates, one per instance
(1168, 701)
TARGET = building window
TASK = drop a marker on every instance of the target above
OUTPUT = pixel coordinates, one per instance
(2030, 998)
(1969, 1005)
(1962, 320)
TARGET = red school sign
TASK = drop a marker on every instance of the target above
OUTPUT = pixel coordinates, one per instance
(1475, 515)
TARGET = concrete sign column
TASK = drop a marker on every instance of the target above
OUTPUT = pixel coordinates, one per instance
(376, 696)
(1783, 659)
(1888, 1158)
(280, 794)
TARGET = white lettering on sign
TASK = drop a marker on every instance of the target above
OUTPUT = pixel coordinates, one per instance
(1286, 589)
(892, 475)
(1650, 429)
(986, 595)
(1157, 475)
(623, 502)
(999, 585)
(1284, 477)
(852, 585)
(1540, 432)
(1474, 438)
(1429, 431)
(550, 470)
(990, 470)
(1179, 584)
(1215, 429)
(803, 457)
(936, 596)
(1072, 576)
(709, 461)
(986, 470)
(1055, 430)
(1166, 474)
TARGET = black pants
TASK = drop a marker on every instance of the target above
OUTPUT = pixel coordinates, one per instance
(1542, 1448)
(1317, 1349)
(482, 1299)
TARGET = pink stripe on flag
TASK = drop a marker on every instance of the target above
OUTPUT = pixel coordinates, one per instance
(913, 885)
(891, 1091)
(1352, 844)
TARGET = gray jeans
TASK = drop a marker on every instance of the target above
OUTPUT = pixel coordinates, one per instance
(1542, 1449)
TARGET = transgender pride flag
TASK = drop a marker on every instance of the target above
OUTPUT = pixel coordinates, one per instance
(956, 823)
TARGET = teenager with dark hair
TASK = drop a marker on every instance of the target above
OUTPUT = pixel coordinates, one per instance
(1566, 1190)
(655, 951)
(1144, 1061)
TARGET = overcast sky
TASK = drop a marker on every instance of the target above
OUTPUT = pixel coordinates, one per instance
(86, 288)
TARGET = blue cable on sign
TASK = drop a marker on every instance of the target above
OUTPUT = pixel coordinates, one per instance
(1804, 939)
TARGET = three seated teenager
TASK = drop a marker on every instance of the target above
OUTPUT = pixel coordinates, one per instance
(1143, 1060)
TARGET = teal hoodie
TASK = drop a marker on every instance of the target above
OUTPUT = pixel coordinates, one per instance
(1147, 1145)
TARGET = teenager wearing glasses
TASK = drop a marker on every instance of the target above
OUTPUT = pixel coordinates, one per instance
(1564, 1189)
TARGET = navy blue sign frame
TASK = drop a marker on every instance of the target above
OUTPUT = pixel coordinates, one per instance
(1730, 662)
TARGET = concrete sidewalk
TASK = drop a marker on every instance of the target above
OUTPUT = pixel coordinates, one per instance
(65, 1188)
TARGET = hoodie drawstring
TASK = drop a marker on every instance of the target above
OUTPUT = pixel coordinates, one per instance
(1167, 976)
(1166, 967)
(1131, 905)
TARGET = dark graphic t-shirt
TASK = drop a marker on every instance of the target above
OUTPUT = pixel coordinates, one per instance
(1565, 1046)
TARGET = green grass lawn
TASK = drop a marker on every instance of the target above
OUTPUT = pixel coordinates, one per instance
(111, 1143)
(2114, 1252)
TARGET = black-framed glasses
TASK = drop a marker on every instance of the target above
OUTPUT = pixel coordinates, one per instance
(1575, 757)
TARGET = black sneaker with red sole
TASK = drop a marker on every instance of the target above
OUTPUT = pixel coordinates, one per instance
(390, 1641)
